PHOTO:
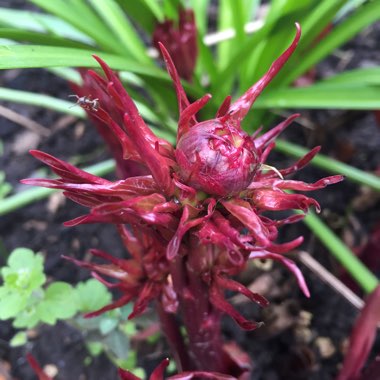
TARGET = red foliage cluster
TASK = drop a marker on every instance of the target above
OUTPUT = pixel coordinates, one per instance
(195, 219)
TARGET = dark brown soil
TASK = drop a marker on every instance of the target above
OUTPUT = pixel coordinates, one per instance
(289, 347)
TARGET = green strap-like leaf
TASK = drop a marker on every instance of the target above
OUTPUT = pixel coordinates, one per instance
(146, 14)
(40, 100)
(154, 6)
(40, 38)
(330, 165)
(323, 97)
(82, 17)
(362, 275)
(322, 14)
(358, 77)
(29, 56)
(114, 17)
(360, 19)
(39, 22)
(200, 8)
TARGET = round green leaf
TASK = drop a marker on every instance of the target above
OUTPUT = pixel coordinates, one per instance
(58, 303)
(24, 271)
(92, 295)
(11, 303)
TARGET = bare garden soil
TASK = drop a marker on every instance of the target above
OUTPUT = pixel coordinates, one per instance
(302, 338)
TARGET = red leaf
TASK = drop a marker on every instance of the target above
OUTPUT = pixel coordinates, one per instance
(229, 284)
(243, 212)
(183, 102)
(267, 138)
(291, 265)
(277, 201)
(362, 338)
(240, 108)
(217, 299)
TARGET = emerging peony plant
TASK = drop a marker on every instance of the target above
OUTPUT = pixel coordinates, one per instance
(194, 220)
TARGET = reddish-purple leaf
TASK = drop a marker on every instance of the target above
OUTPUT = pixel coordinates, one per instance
(224, 106)
(291, 265)
(183, 102)
(187, 115)
(217, 299)
(267, 138)
(277, 200)
(362, 338)
(229, 284)
(240, 108)
(242, 210)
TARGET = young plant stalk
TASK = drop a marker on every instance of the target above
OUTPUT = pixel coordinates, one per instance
(191, 217)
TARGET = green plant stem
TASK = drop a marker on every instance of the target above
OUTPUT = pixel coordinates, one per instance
(26, 197)
(362, 275)
(331, 165)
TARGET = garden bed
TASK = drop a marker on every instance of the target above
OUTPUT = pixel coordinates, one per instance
(302, 338)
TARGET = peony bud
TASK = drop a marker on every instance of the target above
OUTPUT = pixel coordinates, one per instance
(217, 158)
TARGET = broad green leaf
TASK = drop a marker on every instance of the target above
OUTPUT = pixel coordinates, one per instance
(24, 270)
(131, 362)
(92, 295)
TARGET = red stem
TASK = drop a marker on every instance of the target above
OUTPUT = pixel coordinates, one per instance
(201, 320)
(203, 325)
